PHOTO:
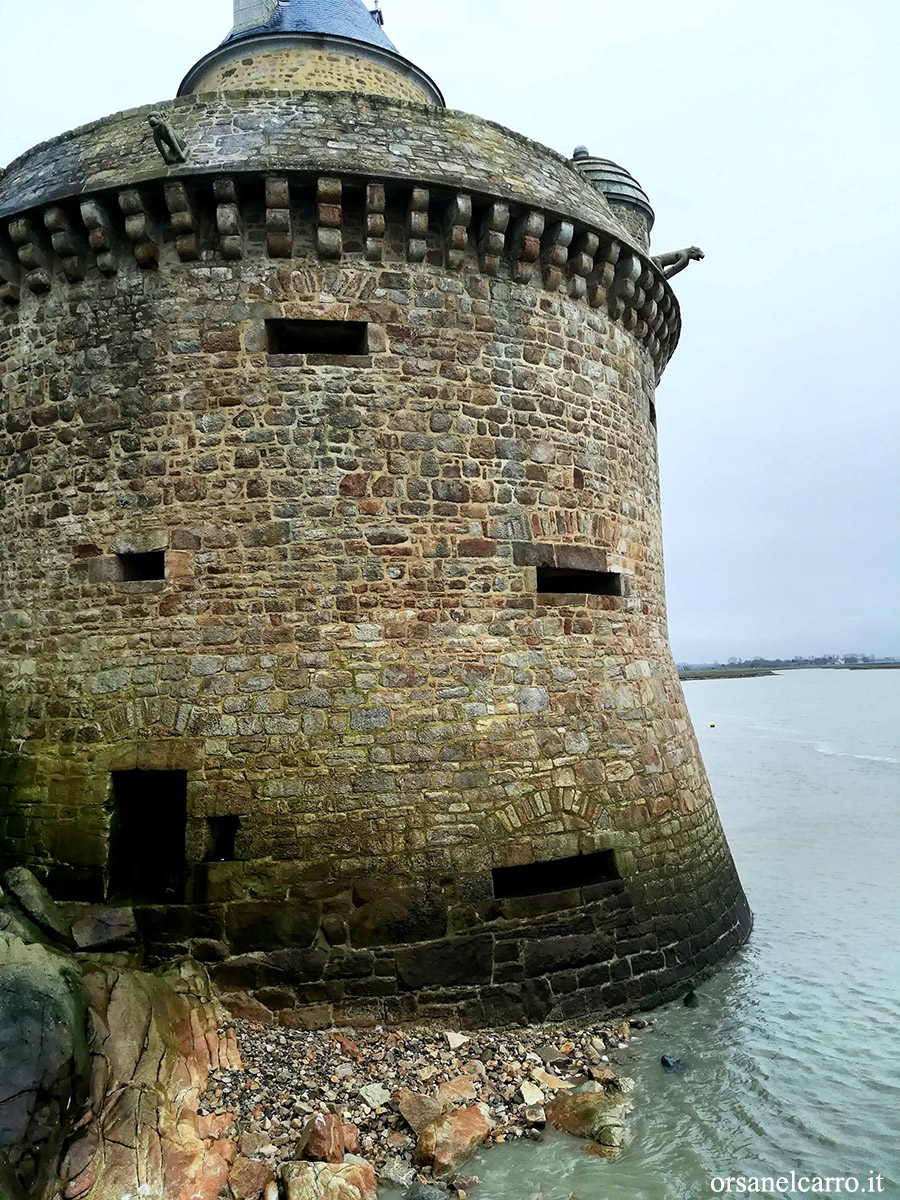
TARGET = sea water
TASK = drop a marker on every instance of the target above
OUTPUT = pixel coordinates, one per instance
(793, 1053)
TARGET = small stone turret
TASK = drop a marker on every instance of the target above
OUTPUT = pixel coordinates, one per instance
(626, 197)
(310, 45)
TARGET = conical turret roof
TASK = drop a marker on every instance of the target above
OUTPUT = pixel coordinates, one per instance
(337, 18)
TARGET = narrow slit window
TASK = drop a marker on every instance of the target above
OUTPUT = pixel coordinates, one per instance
(334, 338)
(147, 845)
(558, 875)
(141, 567)
(222, 841)
(591, 583)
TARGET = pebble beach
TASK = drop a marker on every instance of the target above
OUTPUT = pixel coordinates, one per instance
(387, 1086)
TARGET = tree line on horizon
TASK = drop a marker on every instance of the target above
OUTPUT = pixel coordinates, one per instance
(823, 660)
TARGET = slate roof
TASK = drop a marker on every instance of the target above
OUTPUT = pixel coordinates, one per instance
(341, 18)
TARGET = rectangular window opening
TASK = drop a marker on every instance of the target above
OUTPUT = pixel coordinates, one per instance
(335, 338)
(147, 844)
(591, 583)
(222, 838)
(141, 567)
(558, 875)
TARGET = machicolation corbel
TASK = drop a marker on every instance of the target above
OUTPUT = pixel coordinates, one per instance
(33, 254)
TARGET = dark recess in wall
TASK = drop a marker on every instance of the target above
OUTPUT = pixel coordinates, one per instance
(558, 875)
(147, 852)
(590, 583)
(318, 337)
(141, 567)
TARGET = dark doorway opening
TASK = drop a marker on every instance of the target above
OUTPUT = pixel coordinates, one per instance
(558, 875)
(590, 583)
(222, 838)
(147, 856)
(318, 337)
(140, 567)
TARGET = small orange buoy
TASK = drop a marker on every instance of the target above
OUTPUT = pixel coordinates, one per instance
(712, 724)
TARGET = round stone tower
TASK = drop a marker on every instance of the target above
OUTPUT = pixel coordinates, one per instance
(334, 637)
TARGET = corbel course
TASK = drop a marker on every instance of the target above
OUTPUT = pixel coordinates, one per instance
(229, 221)
(32, 254)
(185, 221)
(102, 236)
(140, 228)
(329, 235)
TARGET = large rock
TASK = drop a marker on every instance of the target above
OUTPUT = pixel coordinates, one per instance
(102, 928)
(322, 1139)
(46, 1062)
(593, 1114)
(450, 1141)
(457, 1091)
(424, 1191)
(327, 1181)
(160, 1039)
(14, 922)
(397, 1174)
(36, 904)
(148, 1137)
(249, 1178)
(418, 1110)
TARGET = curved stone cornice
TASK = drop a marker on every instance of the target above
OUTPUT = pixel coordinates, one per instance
(500, 205)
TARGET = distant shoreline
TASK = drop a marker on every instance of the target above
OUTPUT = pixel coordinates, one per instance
(759, 672)
(727, 673)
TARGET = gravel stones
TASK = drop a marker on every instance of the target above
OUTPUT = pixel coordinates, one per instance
(407, 1091)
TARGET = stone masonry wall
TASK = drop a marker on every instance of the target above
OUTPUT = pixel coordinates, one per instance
(348, 652)
(310, 69)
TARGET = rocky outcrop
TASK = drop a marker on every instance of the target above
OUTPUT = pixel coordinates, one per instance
(45, 1060)
(102, 1067)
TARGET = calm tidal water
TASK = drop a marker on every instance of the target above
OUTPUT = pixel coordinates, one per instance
(794, 1051)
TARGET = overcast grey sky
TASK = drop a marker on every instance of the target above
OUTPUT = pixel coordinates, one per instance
(766, 133)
